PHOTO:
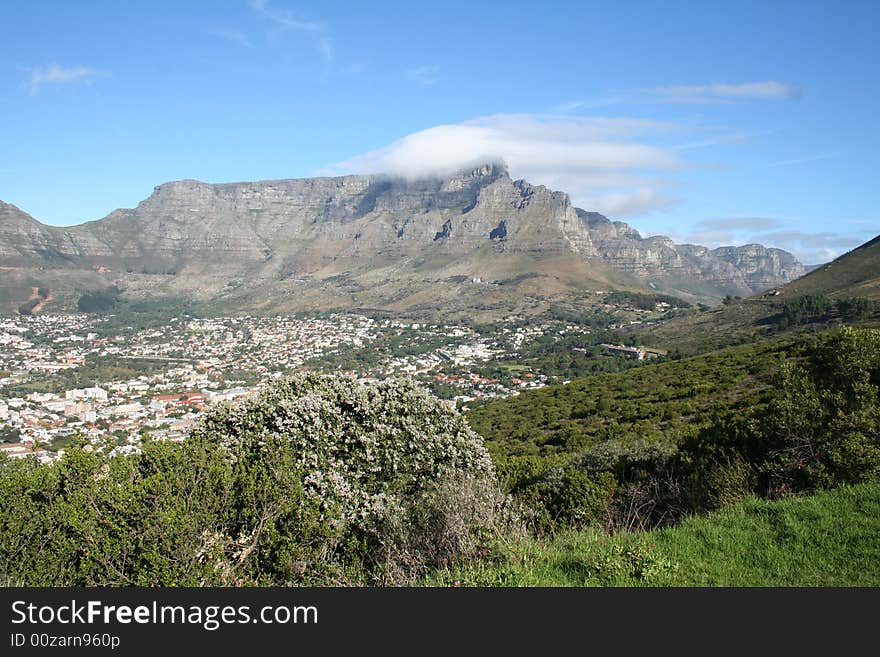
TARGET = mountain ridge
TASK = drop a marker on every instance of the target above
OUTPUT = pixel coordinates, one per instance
(374, 240)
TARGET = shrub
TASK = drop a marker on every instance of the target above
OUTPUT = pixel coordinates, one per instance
(819, 429)
(371, 459)
(457, 519)
(730, 481)
(626, 459)
(822, 428)
(316, 481)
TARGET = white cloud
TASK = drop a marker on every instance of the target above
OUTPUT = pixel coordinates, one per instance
(722, 92)
(425, 75)
(325, 47)
(630, 202)
(55, 74)
(698, 94)
(598, 161)
(811, 249)
(285, 19)
(577, 105)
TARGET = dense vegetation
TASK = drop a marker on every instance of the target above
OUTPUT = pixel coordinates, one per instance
(315, 481)
(649, 446)
(98, 301)
(645, 301)
(321, 480)
(814, 308)
(656, 402)
(27, 308)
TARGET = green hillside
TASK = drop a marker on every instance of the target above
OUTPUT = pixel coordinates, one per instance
(844, 291)
(828, 539)
(854, 274)
(655, 444)
(660, 402)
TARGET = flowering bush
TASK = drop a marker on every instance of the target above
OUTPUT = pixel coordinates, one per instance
(361, 448)
(370, 459)
(317, 481)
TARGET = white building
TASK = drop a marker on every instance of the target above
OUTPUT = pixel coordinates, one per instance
(96, 393)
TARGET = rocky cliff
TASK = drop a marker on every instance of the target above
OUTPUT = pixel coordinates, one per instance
(743, 270)
(474, 238)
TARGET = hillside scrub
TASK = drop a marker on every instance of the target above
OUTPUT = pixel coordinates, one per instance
(317, 480)
(651, 446)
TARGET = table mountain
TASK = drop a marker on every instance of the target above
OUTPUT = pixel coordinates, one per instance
(476, 241)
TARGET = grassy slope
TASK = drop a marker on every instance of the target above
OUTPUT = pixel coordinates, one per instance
(828, 539)
(855, 274)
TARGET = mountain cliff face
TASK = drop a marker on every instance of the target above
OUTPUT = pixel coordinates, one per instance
(350, 216)
(745, 269)
(474, 239)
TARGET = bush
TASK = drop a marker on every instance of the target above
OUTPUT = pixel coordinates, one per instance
(361, 448)
(315, 481)
(455, 520)
(819, 429)
(729, 482)
(822, 428)
(371, 458)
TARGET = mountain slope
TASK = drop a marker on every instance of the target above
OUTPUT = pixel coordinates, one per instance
(855, 274)
(738, 269)
(475, 241)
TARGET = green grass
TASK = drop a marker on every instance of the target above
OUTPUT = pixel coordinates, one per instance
(827, 539)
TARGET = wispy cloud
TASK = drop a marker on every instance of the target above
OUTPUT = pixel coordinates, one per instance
(824, 240)
(425, 75)
(796, 161)
(325, 47)
(55, 74)
(725, 92)
(605, 164)
(233, 36)
(590, 103)
(739, 223)
(696, 94)
(811, 248)
(284, 20)
(715, 140)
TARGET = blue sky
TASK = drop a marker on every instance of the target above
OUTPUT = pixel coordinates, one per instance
(716, 123)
